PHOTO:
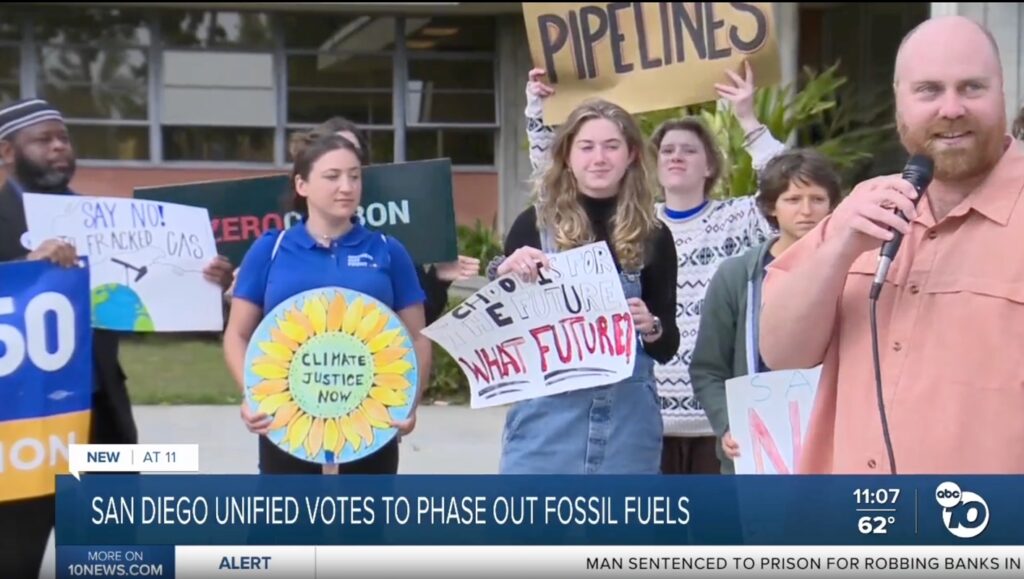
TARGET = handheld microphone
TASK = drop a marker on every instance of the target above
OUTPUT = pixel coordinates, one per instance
(918, 172)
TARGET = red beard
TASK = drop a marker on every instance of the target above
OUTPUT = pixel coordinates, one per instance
(978, 154)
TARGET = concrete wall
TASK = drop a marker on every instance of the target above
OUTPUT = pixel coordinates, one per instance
(1006, 22)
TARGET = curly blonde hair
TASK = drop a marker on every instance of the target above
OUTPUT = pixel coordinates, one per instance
(557, 193)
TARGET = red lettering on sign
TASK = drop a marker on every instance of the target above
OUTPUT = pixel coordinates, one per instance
(500, 361)
(272, 221)
(250, 227)
(215, 224)
(230, 227)
(544, 350)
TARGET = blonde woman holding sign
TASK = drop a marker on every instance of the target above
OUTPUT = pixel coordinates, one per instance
(596, 189)
(705, 232)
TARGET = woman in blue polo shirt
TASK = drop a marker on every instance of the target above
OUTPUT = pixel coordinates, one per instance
(327, 248)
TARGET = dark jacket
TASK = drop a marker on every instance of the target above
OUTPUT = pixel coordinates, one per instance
(727, 341)
(436, 290)
(112, 421)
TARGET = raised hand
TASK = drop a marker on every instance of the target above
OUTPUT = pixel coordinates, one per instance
(740, 93)
(535, 87)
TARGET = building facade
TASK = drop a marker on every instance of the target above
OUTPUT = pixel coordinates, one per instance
(155, 94)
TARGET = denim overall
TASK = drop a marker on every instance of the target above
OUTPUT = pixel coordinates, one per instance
(612, 429)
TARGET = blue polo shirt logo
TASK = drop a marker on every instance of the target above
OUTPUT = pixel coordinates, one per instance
(361, 260)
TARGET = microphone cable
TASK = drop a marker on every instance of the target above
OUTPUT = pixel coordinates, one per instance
(878, 383)
(918, 172)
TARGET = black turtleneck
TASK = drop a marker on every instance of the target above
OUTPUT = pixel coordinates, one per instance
(658, 276)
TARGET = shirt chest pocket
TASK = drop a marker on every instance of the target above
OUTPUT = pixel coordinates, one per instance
(977, 326)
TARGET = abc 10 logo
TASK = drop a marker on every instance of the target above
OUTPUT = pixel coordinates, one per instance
(964, 513)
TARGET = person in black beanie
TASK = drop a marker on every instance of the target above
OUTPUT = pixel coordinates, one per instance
(39, 158)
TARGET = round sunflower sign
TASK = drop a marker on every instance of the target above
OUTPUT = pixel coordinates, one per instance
(333, 367)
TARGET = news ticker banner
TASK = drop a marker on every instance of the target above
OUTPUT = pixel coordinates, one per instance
(239, 510)
(337, 562)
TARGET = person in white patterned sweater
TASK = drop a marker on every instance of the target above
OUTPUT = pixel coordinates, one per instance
(706, 232)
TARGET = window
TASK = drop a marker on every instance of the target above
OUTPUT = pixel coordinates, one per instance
(223, 86)
(218, 99)
(10, 56)
(462, 146)
(93, 65)
(380, 145)
(451, 96)
(342, 66)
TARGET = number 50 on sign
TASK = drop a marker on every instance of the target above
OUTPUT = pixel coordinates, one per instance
(45, 373)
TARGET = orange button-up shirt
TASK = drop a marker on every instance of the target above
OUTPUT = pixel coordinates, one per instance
(951, 339)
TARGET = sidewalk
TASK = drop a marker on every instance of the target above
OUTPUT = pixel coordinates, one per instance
(447, 440)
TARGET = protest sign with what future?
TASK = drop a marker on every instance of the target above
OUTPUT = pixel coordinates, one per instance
(570, 330)
(647, 56)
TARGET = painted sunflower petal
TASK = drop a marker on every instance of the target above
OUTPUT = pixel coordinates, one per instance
(376, 413)
(269, 371)
(389, 355)
(271, 404)
(284, 415)
(382, 340)
(349, 431)
(278, 351)
(387, 396)
(336, 313)
(315, 439)
(294, 331)
(268, 387)
(270, 361)
(392, 381)
(381, 324)
(330, 434)
(368, 323)
(298, 430)
(340, 444)
(316, 314)
(362, 426)
(280, 337)
(352, 316)
(396, 367)
(300, 319)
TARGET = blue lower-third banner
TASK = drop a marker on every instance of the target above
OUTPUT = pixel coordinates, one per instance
(120, 510)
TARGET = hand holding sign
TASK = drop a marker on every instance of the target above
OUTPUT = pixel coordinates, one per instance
(525, 262)
(57, 251)
(567, 328)
(537, 88)
(330, 376)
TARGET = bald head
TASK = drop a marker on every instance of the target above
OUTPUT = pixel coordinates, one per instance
(935, 36)
(950, 101)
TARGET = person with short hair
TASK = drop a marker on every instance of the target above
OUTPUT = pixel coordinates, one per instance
(39, 157)
(798, 188)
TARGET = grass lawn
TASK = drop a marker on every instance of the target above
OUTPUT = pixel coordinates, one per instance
(164, 369)
(169, 370)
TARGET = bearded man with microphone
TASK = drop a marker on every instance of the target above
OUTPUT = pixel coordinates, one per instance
(937, 385)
